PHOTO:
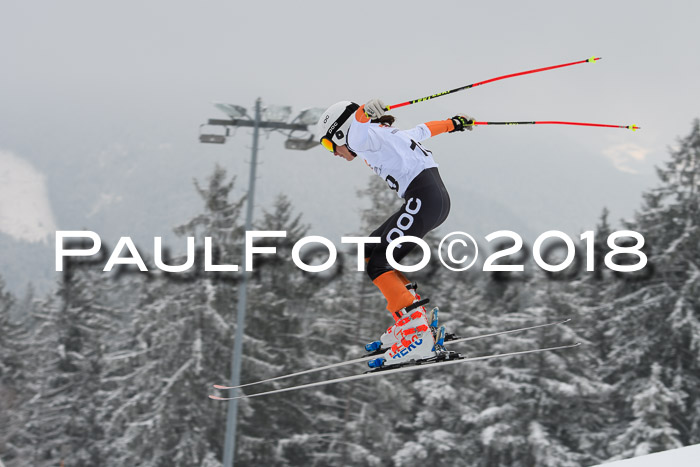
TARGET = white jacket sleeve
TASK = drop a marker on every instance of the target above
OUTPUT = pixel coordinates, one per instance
(419, 133)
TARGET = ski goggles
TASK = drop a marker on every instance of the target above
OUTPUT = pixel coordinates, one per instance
(327, 143)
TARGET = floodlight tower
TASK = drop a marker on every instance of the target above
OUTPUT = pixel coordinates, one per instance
(271, 118)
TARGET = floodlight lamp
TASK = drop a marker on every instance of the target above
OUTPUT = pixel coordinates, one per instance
(301, 144)
(233, 111)
(214, 139)
(277, 113)
(310, 116)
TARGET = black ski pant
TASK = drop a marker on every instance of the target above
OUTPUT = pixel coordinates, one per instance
(426, 206)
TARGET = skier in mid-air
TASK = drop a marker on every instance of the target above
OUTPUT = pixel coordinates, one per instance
(349, 130)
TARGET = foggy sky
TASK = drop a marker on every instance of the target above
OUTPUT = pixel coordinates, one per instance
(101, 98)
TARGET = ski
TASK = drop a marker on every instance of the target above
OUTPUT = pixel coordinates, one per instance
(450, 339)
(451, 359)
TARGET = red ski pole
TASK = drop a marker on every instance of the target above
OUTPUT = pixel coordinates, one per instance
(444, 93)
(629, 127)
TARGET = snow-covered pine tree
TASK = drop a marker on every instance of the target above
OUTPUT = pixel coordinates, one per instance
(220, 219)
(519, 413)
(580, 399)
(344, 314)
(277, 341)
(75, 331)
(657, 321)
(589, 414)
(544, 409)
(333, 425)
(351, 427)
(14, 376)
(183, 336)
(651, 430)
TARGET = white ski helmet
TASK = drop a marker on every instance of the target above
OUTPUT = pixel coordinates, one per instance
(334, 124)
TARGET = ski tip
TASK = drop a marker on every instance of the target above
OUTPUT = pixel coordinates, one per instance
(217, 398)
(566, 346)
(594, 58)
(219, 386)
(564, 320)
(634, 127)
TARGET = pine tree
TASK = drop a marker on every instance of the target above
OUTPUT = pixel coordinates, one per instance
(276, 341)
(163, 417)
(183, 338)
(76, 331)
(651, 430)
(14, 378)
(526, 408)
(657, 321)
(338, 318)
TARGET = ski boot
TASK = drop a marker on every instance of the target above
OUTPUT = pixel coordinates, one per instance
(414, 339)
(392, 336)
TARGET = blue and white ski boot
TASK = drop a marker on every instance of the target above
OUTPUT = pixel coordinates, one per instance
(394, 336)
(413, 338)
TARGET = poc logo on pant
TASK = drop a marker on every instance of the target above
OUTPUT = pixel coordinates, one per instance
(405, 221)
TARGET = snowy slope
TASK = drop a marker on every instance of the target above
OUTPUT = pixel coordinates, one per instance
(688, 456)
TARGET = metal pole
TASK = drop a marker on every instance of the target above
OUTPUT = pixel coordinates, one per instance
(230, 444)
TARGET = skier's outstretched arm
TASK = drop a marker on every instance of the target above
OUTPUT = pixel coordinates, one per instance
(429, 129)
(375, 108)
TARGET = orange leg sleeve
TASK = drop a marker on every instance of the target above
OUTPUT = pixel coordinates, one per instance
(403, 278)
(394, 290)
